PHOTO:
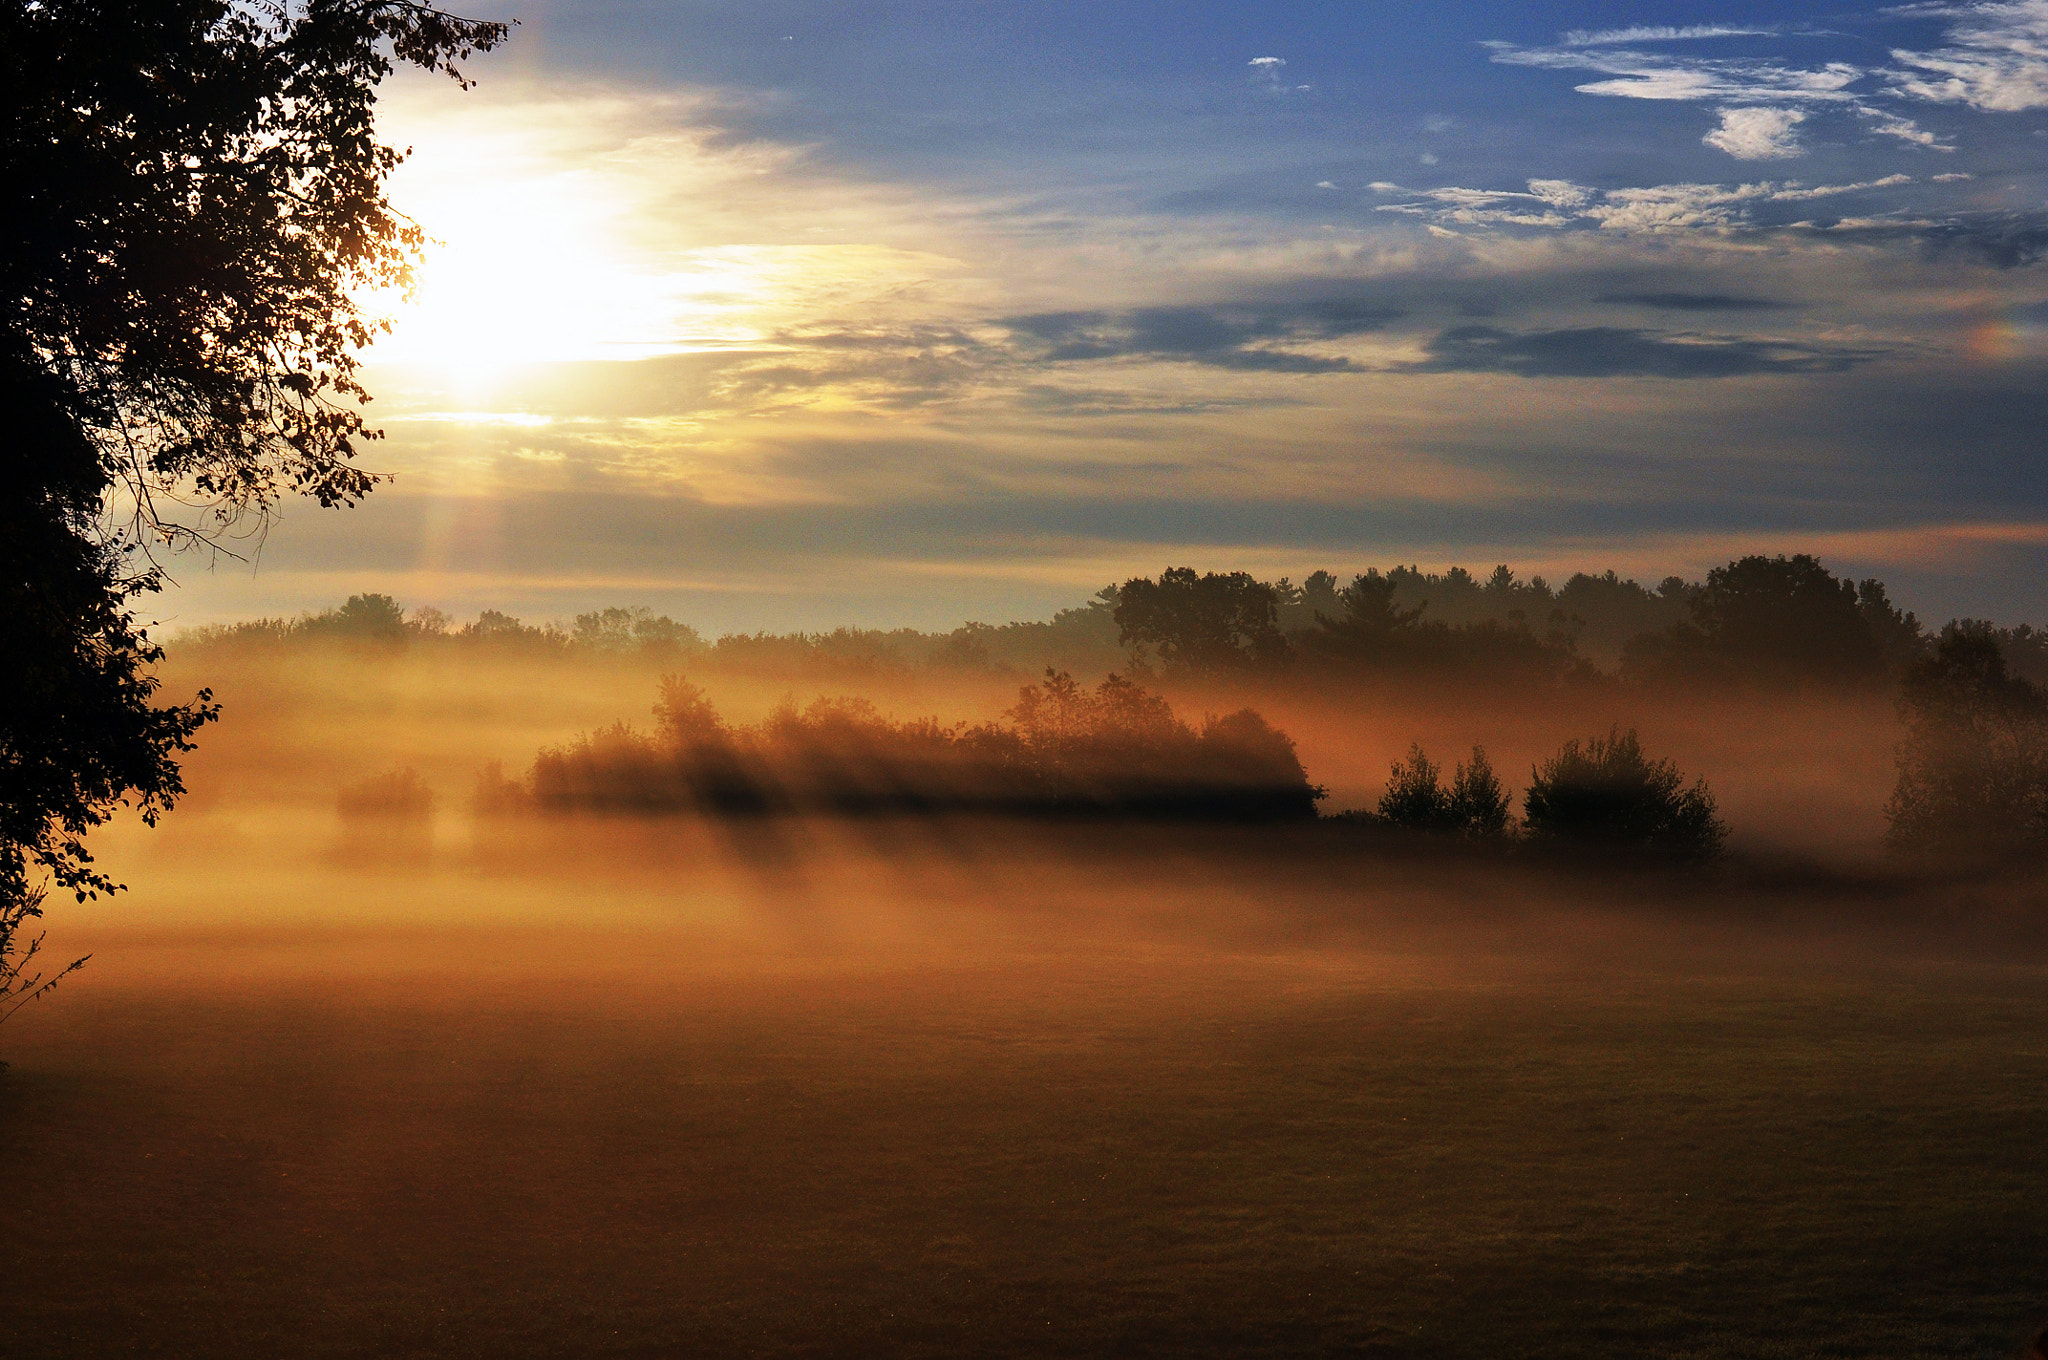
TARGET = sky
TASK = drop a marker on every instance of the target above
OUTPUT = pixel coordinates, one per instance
(791, 315)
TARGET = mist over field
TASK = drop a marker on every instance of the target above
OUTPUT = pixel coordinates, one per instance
(368, 1062)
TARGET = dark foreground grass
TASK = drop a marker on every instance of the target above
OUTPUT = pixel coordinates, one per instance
(1136, 1149)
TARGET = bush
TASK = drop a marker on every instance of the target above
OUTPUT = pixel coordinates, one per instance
(1606, 793)
(1476, 805)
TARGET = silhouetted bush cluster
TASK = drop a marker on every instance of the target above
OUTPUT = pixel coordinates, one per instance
(1606, 794)
(1064, 749)
(1603, 796)
(1475, 806)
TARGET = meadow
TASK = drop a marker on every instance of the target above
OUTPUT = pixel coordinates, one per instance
(615, 1086)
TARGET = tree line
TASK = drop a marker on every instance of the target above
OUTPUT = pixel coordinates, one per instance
(1770, 621)
(1972, 770)
(1758, 622)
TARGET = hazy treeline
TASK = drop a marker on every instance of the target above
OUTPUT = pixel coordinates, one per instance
(1081, 640)
(1063, 749)
(1972, 770)
(1770, 621)
(1758, 621)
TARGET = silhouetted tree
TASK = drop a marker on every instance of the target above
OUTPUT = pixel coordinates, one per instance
(1480, 805)
(1973, 767)
(1606, 794)
(195, 194)
(1772, 621)
(621, 630)
(1604, 611)
(1369, 616)
(1476, 805)
(1211, 622)
(1900, 639)
(2025, 647)
(1414, 797)
(362, 618)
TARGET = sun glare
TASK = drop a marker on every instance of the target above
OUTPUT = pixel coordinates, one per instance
(524, 271)
(541, 251)
(545, 253)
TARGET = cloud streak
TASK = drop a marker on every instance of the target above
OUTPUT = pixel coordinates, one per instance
(1619, 352)
(1993, 58)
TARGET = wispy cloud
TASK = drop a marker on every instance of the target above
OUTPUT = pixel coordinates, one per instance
(1614, 351)
(1995, 58)
(1639, 74)
(1646, 209)
(1606, 37)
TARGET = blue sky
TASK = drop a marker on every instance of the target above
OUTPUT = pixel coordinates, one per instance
(789, 314)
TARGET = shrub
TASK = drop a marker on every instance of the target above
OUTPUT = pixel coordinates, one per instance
(1479, 801)
(1605, 793)
(1475, 805)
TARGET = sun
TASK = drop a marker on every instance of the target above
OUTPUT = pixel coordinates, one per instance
(523, 271)
(552, 240)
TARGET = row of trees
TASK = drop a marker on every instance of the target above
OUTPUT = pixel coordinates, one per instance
(1083, 639)
(1779, 621)
(1758, 621)
(1063, 749)
(1972, 781)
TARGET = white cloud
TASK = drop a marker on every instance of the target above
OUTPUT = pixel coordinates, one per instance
(1655, 75)
(1757, 134)
(1995, 58)
(1905, 129)
(1794, 192)
(1651, 209)
(1662, 208)
(1581, 37)
(1561, 193)
(1992, 57)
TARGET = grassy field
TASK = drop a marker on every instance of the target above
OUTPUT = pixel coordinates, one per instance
(1012, 1104)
